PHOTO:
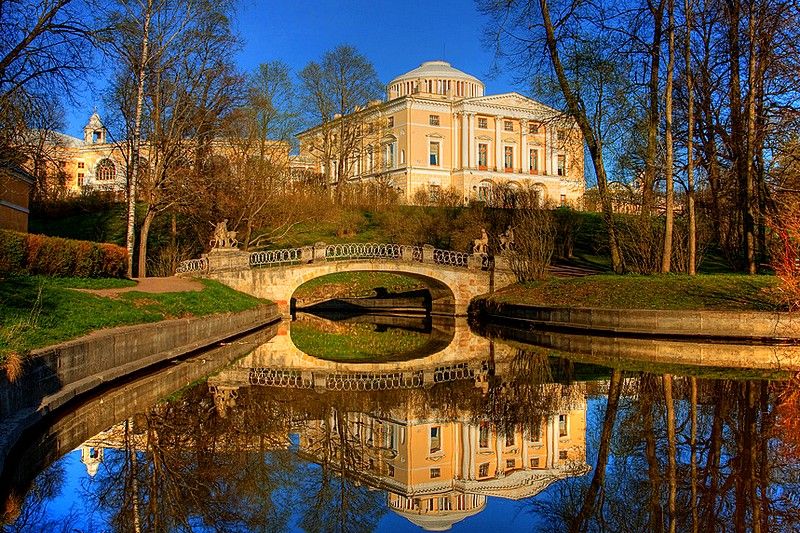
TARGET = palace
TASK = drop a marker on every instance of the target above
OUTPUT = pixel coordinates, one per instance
(438, 130)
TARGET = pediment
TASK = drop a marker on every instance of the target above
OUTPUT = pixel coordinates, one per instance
(512, 100)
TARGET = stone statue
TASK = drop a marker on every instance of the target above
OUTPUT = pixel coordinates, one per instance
(222, 237)
(507, 240)
(481, 246)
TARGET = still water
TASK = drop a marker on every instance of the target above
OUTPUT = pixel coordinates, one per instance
(441, 429)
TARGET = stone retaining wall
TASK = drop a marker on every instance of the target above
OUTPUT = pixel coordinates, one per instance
(54, 375)
(746, 325)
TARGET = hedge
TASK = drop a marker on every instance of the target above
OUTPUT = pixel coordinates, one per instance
(23, 253)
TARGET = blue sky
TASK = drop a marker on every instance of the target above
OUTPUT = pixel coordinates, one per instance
(396, 36)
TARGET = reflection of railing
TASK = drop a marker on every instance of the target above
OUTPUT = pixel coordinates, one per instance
(284, 256)
(367, 381)
(192, 265)
(272, 377)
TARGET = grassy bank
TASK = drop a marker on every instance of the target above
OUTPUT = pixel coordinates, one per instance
(37, 311)
(357, 285)
(356, 343)
(722, 292)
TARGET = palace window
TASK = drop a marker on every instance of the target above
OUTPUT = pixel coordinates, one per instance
(436, 472)
(536, 431)
(390, 155)
(511, 464)
(390, 470)
(482, 123)
(80, 175)
(485, 195)
(80, 164)
(562, 165)
(434, 154)
(483, 438)
(533, 128)
(534, 161)
(483, 151)
(561, 136)
(483, 470)
(562, 454)
(563, 200)
(508, 158)
(510, 440)
(390, 122)
(563, 429)
(508, 125)
(433, 120)
(534, 462)
(436, 439)
(106, 170)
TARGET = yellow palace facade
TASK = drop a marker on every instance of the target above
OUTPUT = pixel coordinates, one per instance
(438, 130)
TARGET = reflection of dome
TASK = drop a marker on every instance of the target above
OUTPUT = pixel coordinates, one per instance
(439, 512)
(441, 520)
(435, 77)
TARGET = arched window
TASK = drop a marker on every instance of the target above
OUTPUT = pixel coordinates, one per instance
(106, 170)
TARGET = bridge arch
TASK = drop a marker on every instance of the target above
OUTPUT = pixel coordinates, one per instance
(455, 277)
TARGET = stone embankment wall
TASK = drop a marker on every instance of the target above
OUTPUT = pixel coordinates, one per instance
(53, 376)
(744, 325)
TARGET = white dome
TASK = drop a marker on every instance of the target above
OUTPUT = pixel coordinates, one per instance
(435, 77)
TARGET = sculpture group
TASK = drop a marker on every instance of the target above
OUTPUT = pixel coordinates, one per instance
(481, 246)
(222, 237)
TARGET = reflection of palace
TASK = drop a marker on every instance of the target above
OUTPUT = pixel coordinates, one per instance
(438, 472)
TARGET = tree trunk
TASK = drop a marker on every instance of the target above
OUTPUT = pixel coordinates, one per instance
(692, 259)
(672, 453)
(653, 470)
(666, 257)
(143, 233)
(577, 111)
(598, 479)
(654, 96)
(137, 133)
(693, 458)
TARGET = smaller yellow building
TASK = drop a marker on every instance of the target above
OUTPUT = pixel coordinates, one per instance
(438, 130)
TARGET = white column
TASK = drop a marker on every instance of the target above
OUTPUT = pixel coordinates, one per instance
(499, 453)
(552, 441)
(471, 140)
(525, 462)
(473, 446)
(498, 145)
(464, 451)
(464, 141)
(454, 141)
(524, 151)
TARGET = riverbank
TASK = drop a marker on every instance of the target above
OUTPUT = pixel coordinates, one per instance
(39, 311)
(719, 307)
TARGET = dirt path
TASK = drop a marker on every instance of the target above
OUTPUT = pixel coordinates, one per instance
(152, 285)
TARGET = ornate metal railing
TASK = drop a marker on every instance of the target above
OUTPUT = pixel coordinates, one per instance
(192, 265)
(450, 258)
(364, 250)
(283, 256)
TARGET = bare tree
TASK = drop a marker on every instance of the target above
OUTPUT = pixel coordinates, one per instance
(334, 90)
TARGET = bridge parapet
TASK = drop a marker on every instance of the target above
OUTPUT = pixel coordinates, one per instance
(228, 259)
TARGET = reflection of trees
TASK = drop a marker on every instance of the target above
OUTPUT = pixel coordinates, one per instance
(714, 462)
(33, 515)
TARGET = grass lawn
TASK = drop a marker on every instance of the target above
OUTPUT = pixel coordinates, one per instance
(37, 311)
(356, 285)
(678, 292)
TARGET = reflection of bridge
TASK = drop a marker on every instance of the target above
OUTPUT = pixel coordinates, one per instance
(279, 363)
(453, 278)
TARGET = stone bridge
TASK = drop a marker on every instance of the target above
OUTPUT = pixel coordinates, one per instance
(453, 278)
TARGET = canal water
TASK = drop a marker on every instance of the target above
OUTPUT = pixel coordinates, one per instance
(407, 423)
